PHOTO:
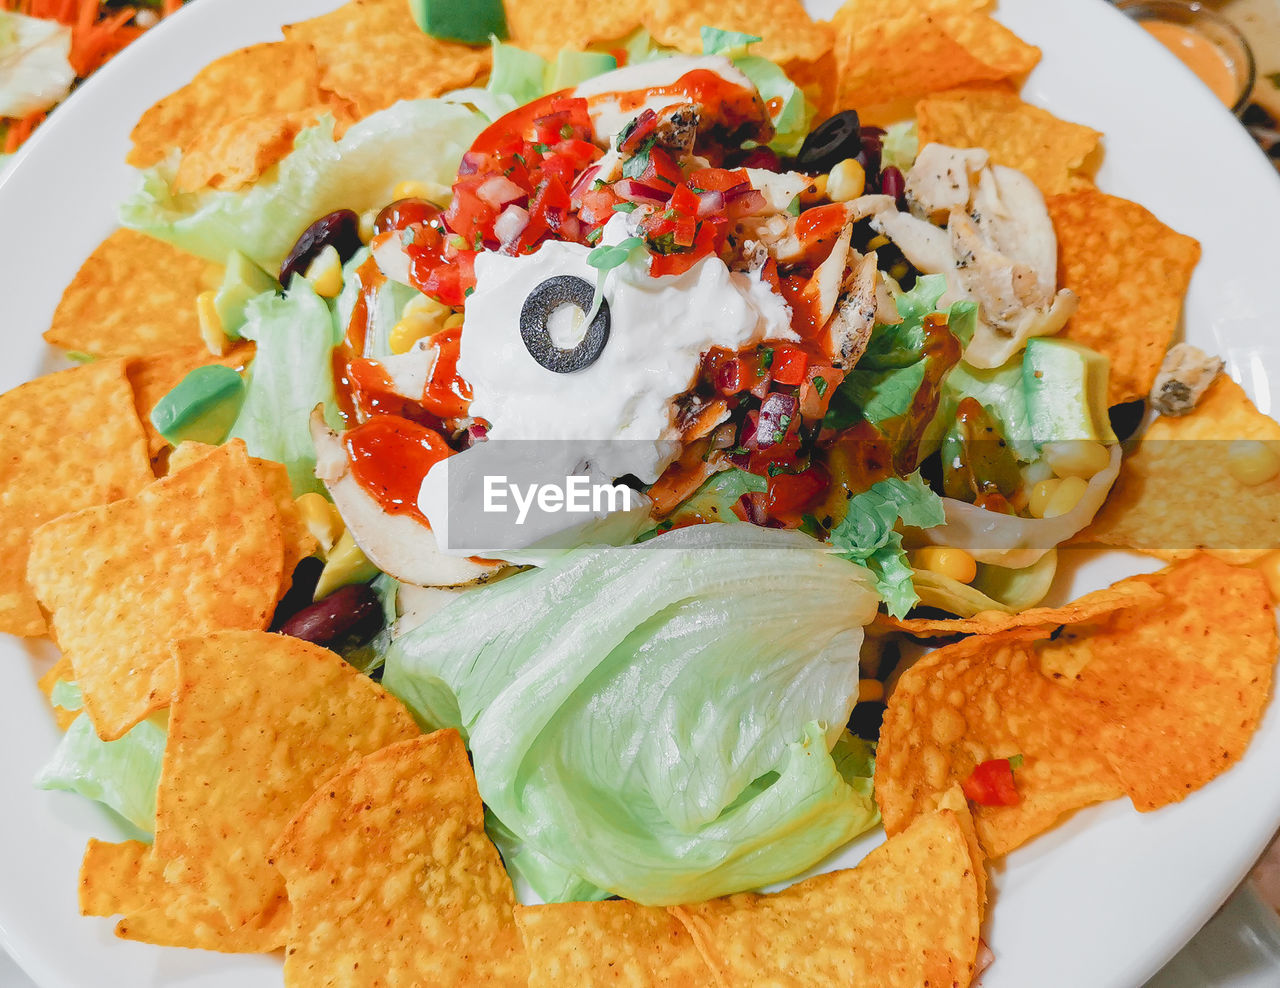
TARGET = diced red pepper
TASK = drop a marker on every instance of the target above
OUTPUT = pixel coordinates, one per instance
(991, 784)
(645, 124)
(468, 215)
(791, 493)
(717, 179)
(685, 201)
(789, 364)
(661, 169)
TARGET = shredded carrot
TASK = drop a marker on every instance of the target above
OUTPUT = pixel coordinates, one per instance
(20, 130)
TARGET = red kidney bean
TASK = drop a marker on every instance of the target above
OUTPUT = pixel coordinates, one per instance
(350, 615)
(893, 183)
(341, 228)
(301, 590)
(761, 157)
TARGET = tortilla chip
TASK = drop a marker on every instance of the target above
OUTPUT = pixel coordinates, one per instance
(393, 880)
(986, 697)
(372, 54)
(908, 915)
(258, 722)
(1086, 608)
(617, 942)
(155, 375)
(1176, 495)
(890, 57)
(60, 671)
(235, 153)
(1053, 153)
(787, 30)
(272, 78)
(546, 26)
(1131, 273)
(197, 552)
(134, 295)
(1184, 684)
(127, 879)
(67, 441)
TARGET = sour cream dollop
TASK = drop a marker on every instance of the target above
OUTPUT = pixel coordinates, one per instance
(659, 329)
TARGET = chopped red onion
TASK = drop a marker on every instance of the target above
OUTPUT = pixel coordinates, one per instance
(511, 223)
(499, 190)
(776, 413)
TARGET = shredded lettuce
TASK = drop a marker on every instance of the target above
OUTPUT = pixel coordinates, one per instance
(729, 43)
(714, 500)
(868, 534)
(657, 720)
(900, 146)
(791, 123)
(291, 373)
(122, 775)
(414, 140)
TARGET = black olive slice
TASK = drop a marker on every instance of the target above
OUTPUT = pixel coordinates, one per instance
(833, 140)
(544, 300)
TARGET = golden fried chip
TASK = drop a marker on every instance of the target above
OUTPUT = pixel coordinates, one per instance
(889, 56)
(134, 295)
(67, 441)
(546, 26)
(1184, 684)
(153, 376)
(235, 153)
(276, 77)
(908, 915)
(60, 671)
(197, 552)
(373, 54)
(258, 722)
(982, 698)
(1053, 153)
(388, 862)
(1086, 608)
(787, 30)
(1131, 273)
(617, 942)
(1176, 494)
(128, 879)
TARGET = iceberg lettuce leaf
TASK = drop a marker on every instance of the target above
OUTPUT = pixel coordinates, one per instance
(657, 720)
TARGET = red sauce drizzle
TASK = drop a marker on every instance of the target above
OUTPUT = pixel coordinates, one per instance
(390, 456)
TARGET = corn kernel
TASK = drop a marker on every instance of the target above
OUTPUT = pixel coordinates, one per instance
(424, 306)
(421, 190)
(1076, 457)
(365, 229)
(454, 321)
(211, 331)
(422, 317)
(900, 270)
(1269, 567)
(1066, 497)
(1252, 462)
(846, 181)
(948, 561)
(870, 691)
(321, 518)
(815, 192)
(1041, 494)
(346, 564)
(878, 241)
(325, 273)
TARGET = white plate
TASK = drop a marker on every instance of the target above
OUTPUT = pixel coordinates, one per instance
(1102, 900)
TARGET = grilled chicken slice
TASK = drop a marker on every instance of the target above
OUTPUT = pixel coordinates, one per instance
(942, 180)
(855, 314)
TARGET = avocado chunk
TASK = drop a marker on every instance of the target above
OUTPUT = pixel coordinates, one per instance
(1066, 389)
(202, 407)
(470, 23)
(242, 281)
(573, 67)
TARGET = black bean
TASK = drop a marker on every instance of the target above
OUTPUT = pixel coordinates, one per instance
(341, 228)
(350, 615)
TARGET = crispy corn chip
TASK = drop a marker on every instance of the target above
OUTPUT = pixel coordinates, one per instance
(908, 915)
(60, 671)
(1131, 273)
(258, 722)
(1088, 607)
(787, 30)
(276, 77)
(1184, 684)
(546, 26)
(67, 441)
(373, 54)
(1176, 494)
(889, 57)
(236, 152)
(134, 295)
(592, 944)
(197, 552)
(155, 375)
(986, 697)
(388, 860)
(127, 879)
(1055, 154)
